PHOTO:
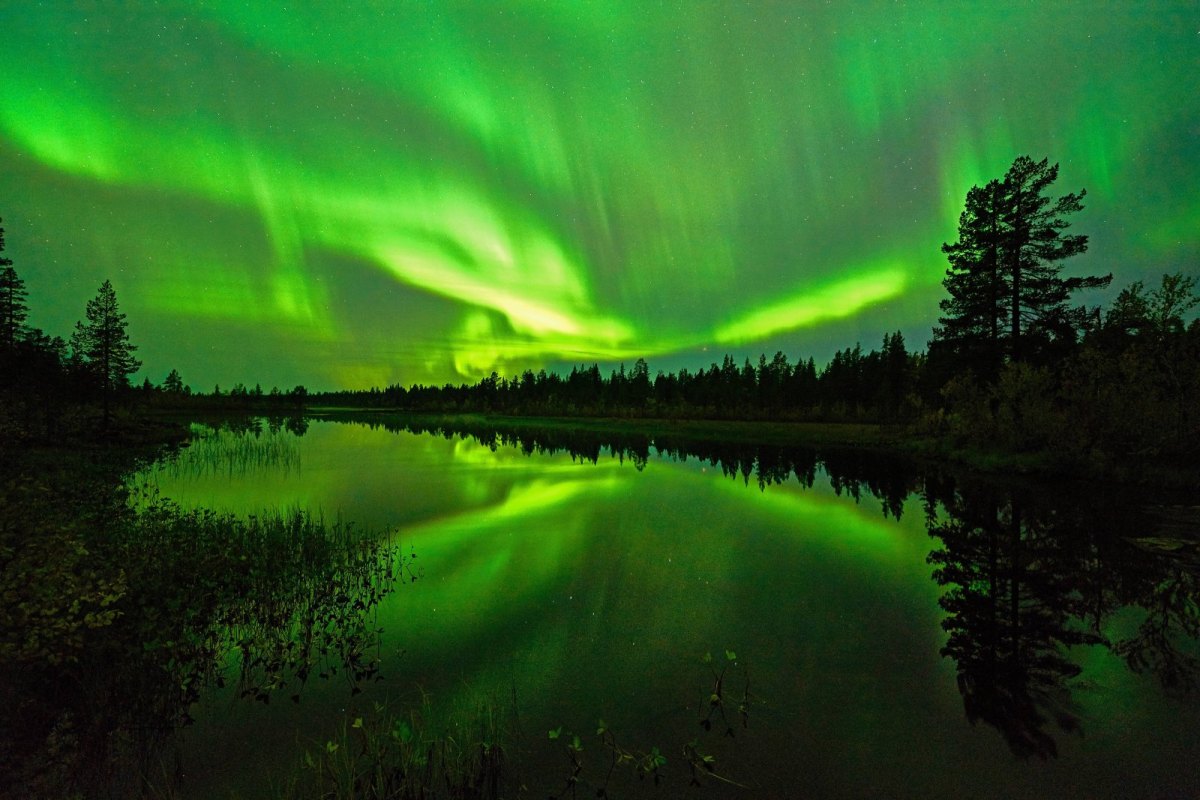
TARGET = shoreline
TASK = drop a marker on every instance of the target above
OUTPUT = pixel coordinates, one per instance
(895, 440)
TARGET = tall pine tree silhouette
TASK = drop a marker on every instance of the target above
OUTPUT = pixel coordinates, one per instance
(103, 346)
(13, 311)
(974, 311)
(1007, 296)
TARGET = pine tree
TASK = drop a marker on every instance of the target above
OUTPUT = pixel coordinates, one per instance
(13, 311)
(1033, 242)
(103, 346)
(1006, 290)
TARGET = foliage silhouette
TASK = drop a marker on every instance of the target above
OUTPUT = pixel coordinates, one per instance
(101, 347)
(13, 309)
(119, 610)
(1006, 295)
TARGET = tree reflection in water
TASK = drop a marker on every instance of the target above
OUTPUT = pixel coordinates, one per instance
(1029, 572)
(1027, 577)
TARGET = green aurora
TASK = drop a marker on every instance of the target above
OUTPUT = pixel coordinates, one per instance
(354, 195)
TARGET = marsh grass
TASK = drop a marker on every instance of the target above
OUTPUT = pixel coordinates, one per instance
(120, 609)
(288, 593)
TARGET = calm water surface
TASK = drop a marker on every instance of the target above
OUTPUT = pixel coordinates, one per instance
(593, 589)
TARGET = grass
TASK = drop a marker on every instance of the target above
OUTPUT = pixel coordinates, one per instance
(119, 611)
(225, 451)
(216, 451)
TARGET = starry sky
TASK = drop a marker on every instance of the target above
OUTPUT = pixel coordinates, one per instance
(356, 194)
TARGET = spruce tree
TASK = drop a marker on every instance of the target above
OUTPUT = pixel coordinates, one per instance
(103, 346)
(972, 321)
(13, 311)
(173, 383)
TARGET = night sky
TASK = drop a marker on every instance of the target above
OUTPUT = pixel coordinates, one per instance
(355, 194)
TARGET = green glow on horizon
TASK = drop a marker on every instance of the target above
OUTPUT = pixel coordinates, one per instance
(428, 194)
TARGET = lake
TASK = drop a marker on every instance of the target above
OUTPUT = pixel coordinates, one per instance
(875, 629)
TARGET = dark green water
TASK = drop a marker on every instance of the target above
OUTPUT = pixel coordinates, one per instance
(905, 634)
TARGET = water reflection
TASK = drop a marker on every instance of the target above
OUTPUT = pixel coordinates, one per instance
(888, 478)
(1011, 597)
(1031, 577)
(588, 588)
(1028, 576)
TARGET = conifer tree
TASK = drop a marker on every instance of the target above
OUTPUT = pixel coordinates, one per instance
(13, 311)
(975, 307)
(173, 383)
(1004, 281)
(103, 346)
(1032, 245)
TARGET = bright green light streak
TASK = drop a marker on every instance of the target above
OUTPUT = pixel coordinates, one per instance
(71, 133)
(581, 183)
(834, 301)
(512, 267)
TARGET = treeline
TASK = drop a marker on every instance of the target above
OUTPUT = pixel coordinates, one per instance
(1014, 364)
(1126, 386)
(51, 387)
(1127, 393)
(854, 385)
(1021, 368)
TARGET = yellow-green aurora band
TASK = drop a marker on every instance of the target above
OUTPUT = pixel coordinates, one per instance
(347, 195)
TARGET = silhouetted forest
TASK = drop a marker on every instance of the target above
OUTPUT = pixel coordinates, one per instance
(53, 389)
(1014, 364)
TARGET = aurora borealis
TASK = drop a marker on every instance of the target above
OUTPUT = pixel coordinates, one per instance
(348, 195)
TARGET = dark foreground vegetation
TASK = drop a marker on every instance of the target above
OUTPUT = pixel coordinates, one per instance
(118, 608)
